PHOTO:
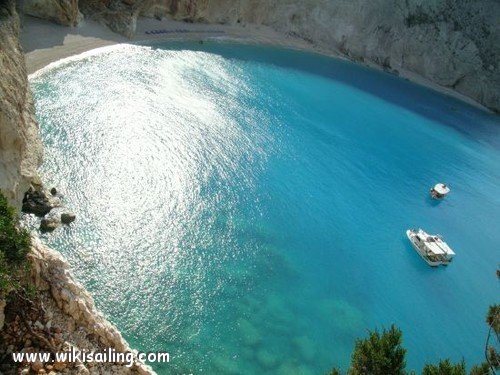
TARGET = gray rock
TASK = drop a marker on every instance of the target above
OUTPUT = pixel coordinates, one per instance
(67, 217)
(49, 224)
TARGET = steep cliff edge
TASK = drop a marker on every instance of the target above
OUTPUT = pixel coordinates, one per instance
(20, 145)
(68, 317)
(63, 12)
(454, 43)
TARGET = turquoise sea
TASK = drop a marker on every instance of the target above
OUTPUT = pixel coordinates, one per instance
(244, 208)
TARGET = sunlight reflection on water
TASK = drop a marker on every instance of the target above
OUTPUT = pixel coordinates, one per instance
(229, 211)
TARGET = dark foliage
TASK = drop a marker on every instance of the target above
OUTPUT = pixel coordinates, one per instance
(445, 367)
(14, 245)
(379, 354)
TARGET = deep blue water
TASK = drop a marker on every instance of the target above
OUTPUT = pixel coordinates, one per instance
(244, 208)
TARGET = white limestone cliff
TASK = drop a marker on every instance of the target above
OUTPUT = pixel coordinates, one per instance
(63, 12)
(454, 44)
(51, 273)
(20, 156)
(20, 145)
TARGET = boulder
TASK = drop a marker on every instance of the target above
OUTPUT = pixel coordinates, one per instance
(49, 224)
(67, 217)
(36, 202)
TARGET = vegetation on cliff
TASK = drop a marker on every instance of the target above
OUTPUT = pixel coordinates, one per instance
(14, 246)
(383, 353)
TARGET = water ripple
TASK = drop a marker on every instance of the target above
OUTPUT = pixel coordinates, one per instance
(238, 213)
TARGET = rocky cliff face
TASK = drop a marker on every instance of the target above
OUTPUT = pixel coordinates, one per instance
(119, 16)
(20, 146)
(20, 156)
(453, 43)
(51, 274)
(63, 12)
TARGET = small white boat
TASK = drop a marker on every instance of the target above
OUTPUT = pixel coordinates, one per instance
(431, 248)
(439, 191)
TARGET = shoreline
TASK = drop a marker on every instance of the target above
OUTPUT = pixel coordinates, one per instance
(62, 42)
(75, 45)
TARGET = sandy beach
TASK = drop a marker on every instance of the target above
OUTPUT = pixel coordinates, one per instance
(45, 42)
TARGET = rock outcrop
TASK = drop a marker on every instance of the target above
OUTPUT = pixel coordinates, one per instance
(63, 12)
(20, 156)
(51, 273)
(55, 219)
(452, 43)
(20, 145)
(119, 16)
(49, 224)
(38, 202)
(67, 217)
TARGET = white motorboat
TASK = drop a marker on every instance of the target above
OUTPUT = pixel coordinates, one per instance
(431, 248)
(439, 191)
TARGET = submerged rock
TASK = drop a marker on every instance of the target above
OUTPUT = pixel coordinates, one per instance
(305, 347)
(248, 332)
(225, 365)
(344, 316)
(266, 359)
(67, 217)
(287, 368)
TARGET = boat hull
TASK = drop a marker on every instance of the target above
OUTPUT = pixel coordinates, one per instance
(436, 195)
(431, 263)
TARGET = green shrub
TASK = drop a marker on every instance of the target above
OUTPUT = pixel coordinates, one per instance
(379, 354)
(14, 245)
(445, 368)
(482, 369)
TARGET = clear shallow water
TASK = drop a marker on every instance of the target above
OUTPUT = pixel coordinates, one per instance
(244, 208)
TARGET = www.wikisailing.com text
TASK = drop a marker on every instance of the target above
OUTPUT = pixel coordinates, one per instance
(107, 356)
